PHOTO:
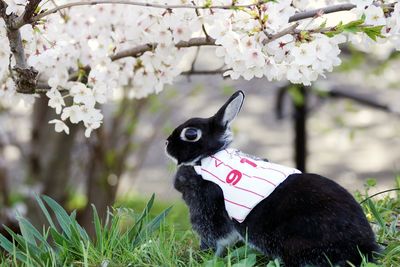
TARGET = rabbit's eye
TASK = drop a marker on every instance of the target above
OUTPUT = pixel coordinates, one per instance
(191, 134)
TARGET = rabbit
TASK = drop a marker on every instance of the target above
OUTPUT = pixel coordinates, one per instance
(308, 220)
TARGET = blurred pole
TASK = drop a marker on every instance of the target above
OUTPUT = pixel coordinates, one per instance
(300, 130)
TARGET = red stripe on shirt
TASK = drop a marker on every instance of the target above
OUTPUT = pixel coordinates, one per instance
(272, 169)
(264, 180)
(237, 204)
(212, 175)
(237, 187)
(247, 190)
(228, 165)
(267, 168)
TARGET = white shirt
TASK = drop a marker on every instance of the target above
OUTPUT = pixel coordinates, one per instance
(244, 181)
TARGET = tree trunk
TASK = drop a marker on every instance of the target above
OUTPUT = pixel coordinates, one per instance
(5, 203)
(108, 153)
(50, 158)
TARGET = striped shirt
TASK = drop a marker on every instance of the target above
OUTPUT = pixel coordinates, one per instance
(245, 181)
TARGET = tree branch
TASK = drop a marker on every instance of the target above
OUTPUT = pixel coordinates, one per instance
(24, 76)
(298, 16)
(205, 72)
(29, 11)
(288, 30)
(138, 50)
(325, 10)
(121, 2)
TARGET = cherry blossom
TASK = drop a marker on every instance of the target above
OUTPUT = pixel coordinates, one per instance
(374, 16)
(56, 100)
(82, 94)
(74, 113)
(90, 126)
(60, 126)
(305, 54)
(14, 6)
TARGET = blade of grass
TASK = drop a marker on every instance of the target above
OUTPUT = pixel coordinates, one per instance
(45, 211)
(27, 226)
(98, 229)
(62, 217)
(26, 232)
(137, 227)
(25, 247)
(376, 214)
(6, 244)
(150, 227)
(59, 239)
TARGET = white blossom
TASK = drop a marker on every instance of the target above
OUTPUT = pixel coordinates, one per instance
(90, 126)
(56, 100)
(74, 113)
(82, 94)
(100, 94)
(60, 126)
(90, 114)
(305, 54)
(374, 16)
(14, 6)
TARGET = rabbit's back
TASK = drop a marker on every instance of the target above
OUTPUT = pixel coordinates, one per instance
(307, 219)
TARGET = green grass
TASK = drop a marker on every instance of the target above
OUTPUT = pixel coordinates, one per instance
(159, 235)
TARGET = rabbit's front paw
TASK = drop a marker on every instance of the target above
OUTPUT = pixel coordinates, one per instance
(226, 241)
(204, 246)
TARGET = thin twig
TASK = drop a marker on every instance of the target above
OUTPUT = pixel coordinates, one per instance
(325, 10)
(196, 55)
(133, 3)
(202, 25)
(288, 30)
(138, 50)
(28, 13)
(205, 72)
(197, 41)
(62, 13)
(379, 193)
(296, 17)
(192, 66)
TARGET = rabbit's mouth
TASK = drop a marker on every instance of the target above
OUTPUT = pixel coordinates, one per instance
(189, 162)
(169, 155)
(192, 162)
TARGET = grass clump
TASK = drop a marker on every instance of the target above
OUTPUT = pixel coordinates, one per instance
(151, 238)
(66, 243)
(384, 215)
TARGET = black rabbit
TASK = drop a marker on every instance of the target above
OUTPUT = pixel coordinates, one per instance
(307, 220)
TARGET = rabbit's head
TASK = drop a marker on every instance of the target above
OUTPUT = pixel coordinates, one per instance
(201, 137)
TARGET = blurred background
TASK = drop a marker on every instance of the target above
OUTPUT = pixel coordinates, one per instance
(345, 127)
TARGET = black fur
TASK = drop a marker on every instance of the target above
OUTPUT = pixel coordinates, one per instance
(307, 220)
(216, 136)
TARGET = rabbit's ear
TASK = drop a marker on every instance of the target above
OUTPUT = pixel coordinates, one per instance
(230, 109)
